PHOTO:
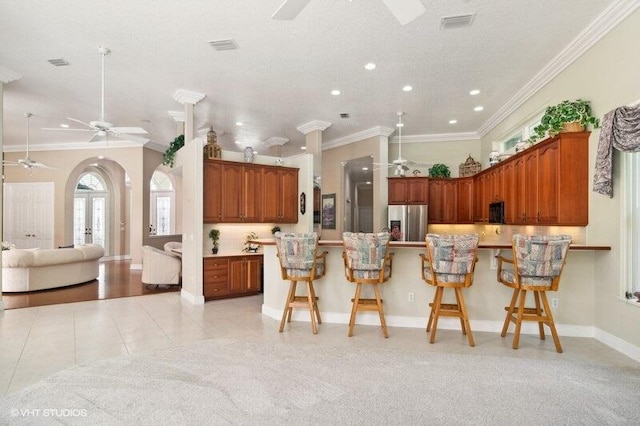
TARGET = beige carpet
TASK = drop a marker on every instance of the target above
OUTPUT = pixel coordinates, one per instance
(225, 381)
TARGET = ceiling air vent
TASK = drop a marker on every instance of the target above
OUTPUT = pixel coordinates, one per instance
(456, 21)
(344, 115)
(58, 62)
(229, 44)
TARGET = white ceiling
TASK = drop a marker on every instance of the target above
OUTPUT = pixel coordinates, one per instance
(283, 72)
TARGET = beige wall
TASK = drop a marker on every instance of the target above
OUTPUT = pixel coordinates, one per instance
(451, 153)
(607, 75)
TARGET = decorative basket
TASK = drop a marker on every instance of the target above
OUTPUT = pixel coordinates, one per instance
(469, 168)
(574, 126)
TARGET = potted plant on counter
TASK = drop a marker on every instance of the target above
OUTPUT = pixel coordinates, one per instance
(567, 116)
(250, 247)
(214, 235)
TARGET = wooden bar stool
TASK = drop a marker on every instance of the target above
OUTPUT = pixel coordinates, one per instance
(366, 262)
(300, 262)
(449, 263)
(537, 262)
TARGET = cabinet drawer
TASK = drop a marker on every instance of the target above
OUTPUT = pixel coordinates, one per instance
(213, 289)
(215, 276)
(210, 264)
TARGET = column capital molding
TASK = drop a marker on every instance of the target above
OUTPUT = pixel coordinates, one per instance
(187, 97)
(275, 141)
(313, 125)
(7, 76)
(177, 116)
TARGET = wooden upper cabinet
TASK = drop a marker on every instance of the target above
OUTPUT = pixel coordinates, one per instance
(443, 201)
(548, 192)
(465, 200)
(212, 192)
(280, 195)
(409, 190)
(231, 187)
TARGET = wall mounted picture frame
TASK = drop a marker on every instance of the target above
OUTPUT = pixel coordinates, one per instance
(329, 211)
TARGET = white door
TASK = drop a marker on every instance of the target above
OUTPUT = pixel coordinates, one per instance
(28, 214)
(90, 218)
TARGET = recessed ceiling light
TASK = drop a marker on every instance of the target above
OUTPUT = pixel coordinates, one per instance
(370, 66)
(407, 88)
(255, 152)
(335, 92)
(239, 123)
(453, 121)
(368, 182)
(303, 148)
(474, 92)
(66, 126)
(478, 108)
(100, 157)
(365, 168)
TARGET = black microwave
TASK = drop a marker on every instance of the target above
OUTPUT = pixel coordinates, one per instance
(496, 212)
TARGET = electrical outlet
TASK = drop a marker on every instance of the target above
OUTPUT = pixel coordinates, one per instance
(493, 261)
(412, 296)
(554, 302)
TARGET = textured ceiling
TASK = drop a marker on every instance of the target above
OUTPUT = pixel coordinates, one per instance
(282, 74)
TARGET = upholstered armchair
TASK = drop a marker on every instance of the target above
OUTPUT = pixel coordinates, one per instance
(159, 267)
(170, 246)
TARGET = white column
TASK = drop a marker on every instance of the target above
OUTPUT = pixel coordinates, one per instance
(192, 236)
(313, 138)
(274, 145)
(178, 117)
(6, 76)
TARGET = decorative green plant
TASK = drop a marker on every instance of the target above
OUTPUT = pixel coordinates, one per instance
(439, 171)
(556, 116)
(169, 158)
(214, 235)
(248, 246)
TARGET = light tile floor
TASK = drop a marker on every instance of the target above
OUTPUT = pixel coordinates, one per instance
(38, 342)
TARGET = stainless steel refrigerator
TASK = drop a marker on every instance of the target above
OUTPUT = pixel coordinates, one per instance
(408, 222)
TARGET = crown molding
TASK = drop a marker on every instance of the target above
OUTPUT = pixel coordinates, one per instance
(71, 146)
(313, 125)
(187, 97)
(598, 28)
(7, 76)
(438, 137)
(177, 116)
(274, 140)
(356, 137)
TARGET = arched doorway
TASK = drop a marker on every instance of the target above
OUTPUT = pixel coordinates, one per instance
(90, 211)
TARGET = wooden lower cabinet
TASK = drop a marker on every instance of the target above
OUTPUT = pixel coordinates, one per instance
(231, 276)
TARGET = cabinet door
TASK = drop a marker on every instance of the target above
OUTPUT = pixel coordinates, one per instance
(288, 196)
(254, 274)
(212, 192)
(398, 191)
(530, 178)
(232, 185)
(449, 201)
(251, 194)
(418, 191)
(435, 201)
(237, 275)
(548, 184)
(270, 192)
(465, 200)
(480, 209)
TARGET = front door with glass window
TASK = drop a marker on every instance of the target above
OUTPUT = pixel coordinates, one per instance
(90, 207)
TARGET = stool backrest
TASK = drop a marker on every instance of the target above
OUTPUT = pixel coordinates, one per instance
(452, 254)
(366, 251)
(540, 255)
(297, 252)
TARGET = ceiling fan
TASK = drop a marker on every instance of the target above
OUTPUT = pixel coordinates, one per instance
(405, 11)
(103, 129)
(401, 164)
(27, 162)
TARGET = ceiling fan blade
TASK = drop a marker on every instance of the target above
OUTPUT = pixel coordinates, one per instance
(130, 130)
(289, 9)
(405, 11)
(60, 129)
(79, 121)
(132, 138)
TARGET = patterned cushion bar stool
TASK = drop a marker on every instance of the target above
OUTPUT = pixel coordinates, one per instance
(449, 263)
(366, 261)
(537, 265)
(299, 261)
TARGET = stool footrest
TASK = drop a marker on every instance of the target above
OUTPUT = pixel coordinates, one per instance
(527, 311)
(366, 301)
(302, 299)
(447, 306)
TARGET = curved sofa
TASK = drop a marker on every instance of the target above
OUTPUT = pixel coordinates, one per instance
(35, 269)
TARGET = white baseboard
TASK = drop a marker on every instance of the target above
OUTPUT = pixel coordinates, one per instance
(1, 303)
(136, 266)
(191, 298)
(116, 257)
(367, 318)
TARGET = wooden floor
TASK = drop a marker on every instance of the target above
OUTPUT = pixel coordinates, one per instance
(115, 280)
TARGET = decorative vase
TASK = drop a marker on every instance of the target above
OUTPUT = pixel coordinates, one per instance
(248, 154)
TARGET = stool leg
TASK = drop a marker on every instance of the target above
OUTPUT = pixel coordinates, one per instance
(376, 290)
(287, 306)
(437, 300)
(315, 304)
(433, 304)
(464, 316)
(516, 336)
(459, 307)
(294, 285)
(550, 322)
(354, 308)
(507, 319)
(536, 297)
(312, 310)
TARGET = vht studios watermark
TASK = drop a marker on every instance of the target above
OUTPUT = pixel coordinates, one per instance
(49, 412)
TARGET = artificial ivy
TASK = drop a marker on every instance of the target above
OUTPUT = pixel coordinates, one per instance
(169, 158)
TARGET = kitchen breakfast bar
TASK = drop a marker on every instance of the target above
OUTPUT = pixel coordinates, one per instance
(406, 296)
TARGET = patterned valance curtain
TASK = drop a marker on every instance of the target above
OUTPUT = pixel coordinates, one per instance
(620, 130)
